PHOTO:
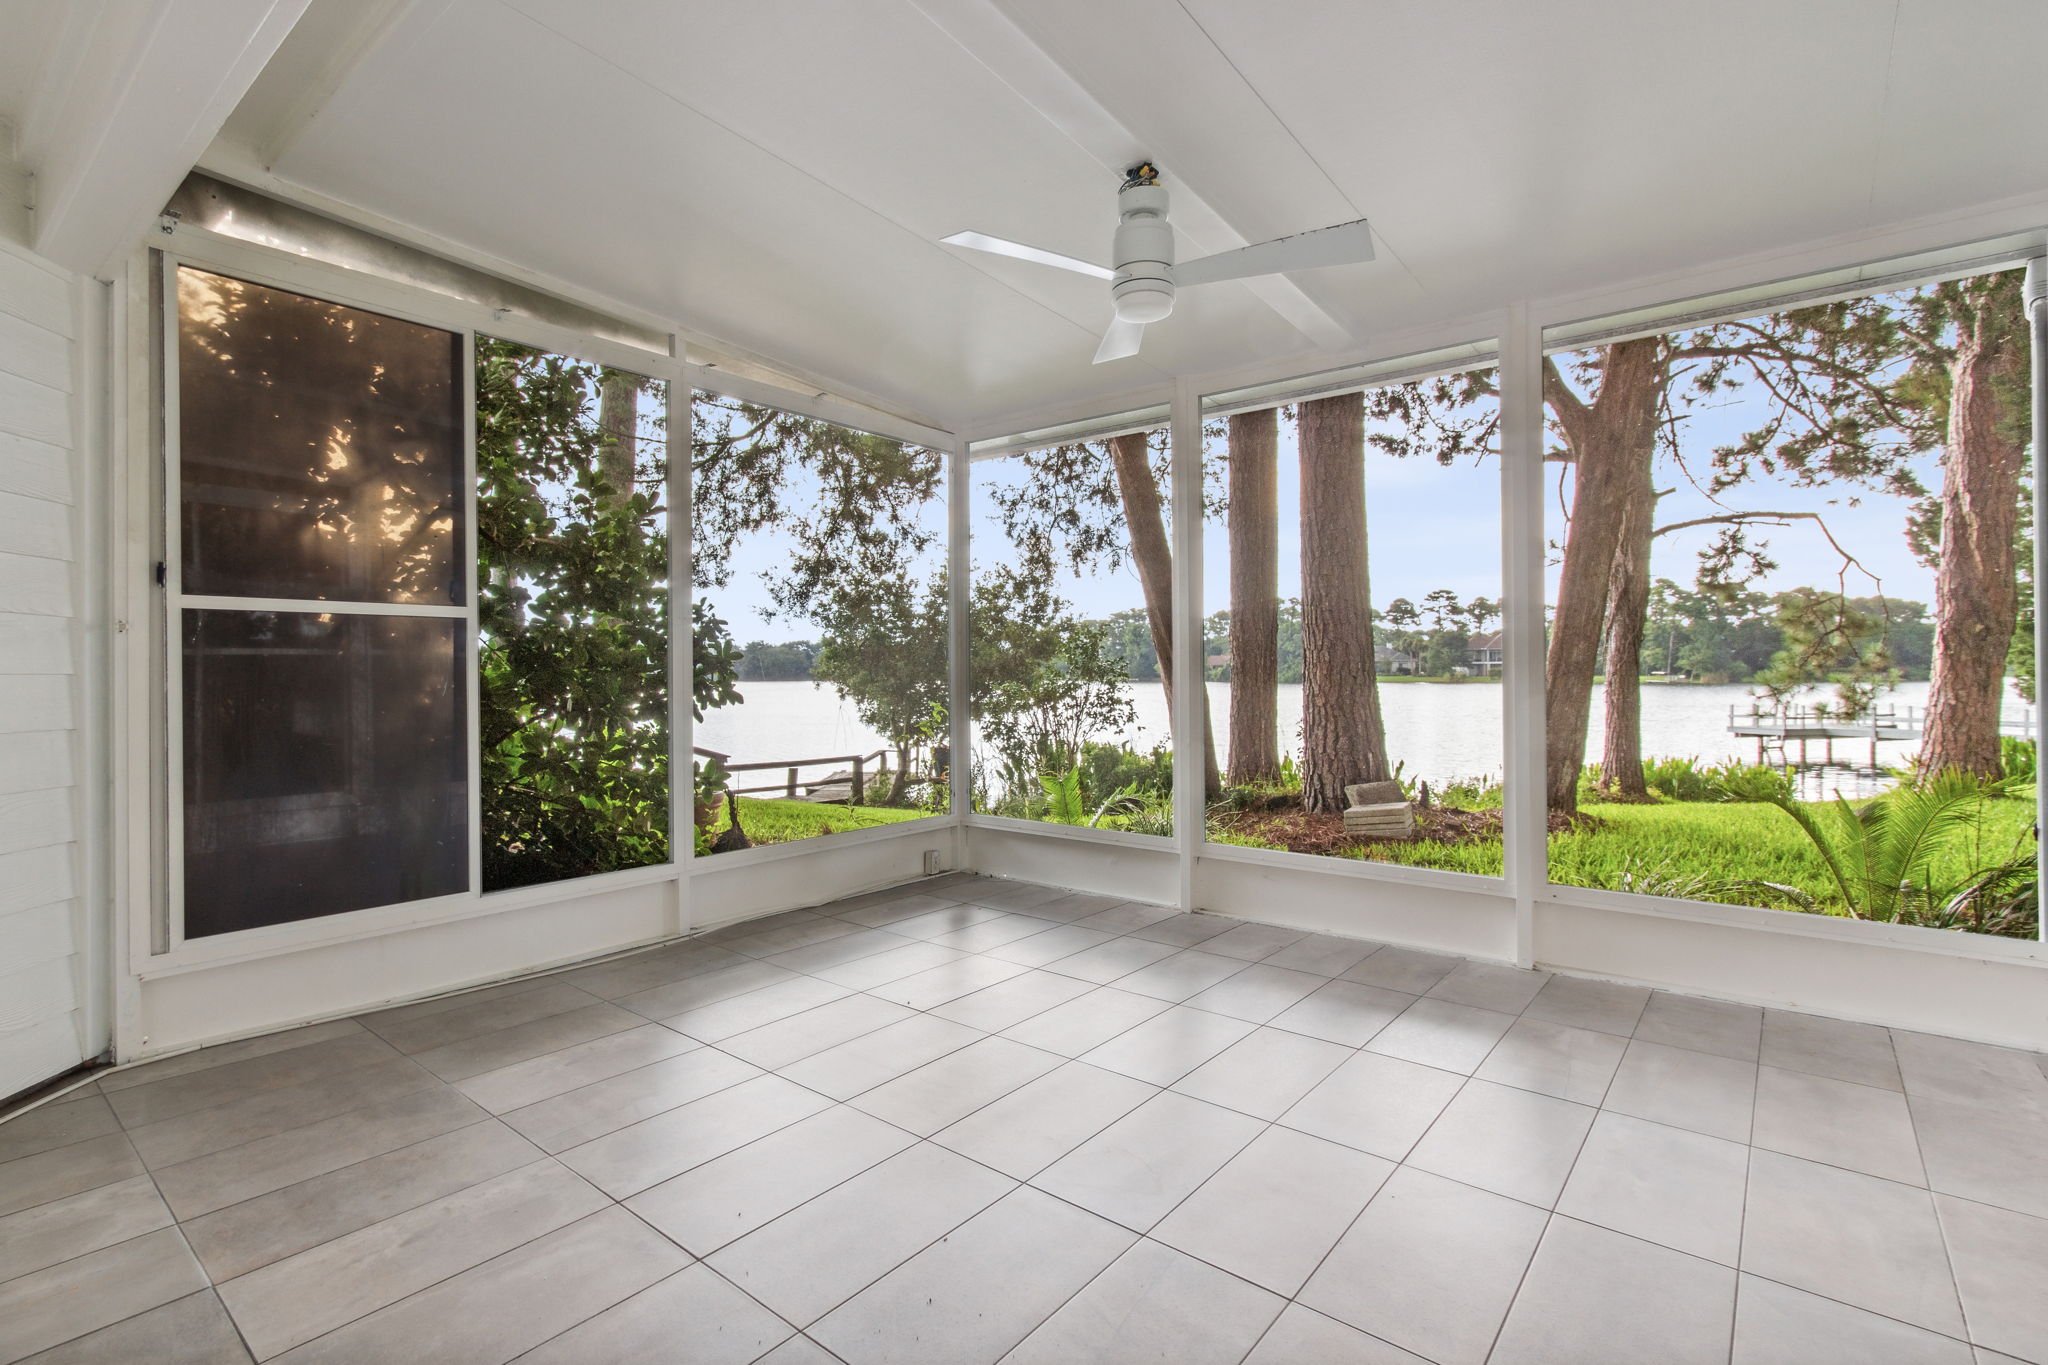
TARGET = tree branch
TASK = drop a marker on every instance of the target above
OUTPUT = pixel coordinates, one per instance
(1781, 519)
(1572, 412)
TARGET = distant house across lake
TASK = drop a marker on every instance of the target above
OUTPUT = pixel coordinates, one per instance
(1483, 655)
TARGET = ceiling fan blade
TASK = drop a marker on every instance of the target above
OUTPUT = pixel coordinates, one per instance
(1344, 244)
(1120, 340)
(1003, 246)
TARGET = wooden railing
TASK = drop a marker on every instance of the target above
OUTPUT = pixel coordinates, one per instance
(1878, 718)
(788, 786)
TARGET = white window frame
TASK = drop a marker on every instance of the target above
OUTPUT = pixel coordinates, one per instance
(148, 752)
(139, 756)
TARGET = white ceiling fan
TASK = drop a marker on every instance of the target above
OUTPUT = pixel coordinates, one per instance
(1142, 284)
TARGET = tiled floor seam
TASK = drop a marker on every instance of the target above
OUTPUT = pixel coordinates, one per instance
(1965, 1339)
(127, 1127)
(374, 1156)
(805, 1327)
(129, 1317)
(421, 1289)
(695, 1263)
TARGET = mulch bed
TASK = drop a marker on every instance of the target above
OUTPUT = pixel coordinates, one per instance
(1300, 831)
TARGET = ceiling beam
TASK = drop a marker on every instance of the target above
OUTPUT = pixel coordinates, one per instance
(137, 93)
(991, 37)
(361, 29)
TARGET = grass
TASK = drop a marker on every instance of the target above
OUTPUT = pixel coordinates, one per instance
(1676, 847)
(782, 822)
(1717, 842)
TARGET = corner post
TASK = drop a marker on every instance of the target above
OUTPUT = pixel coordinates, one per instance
(1190, 686)
(1521, 473)
(2035, 294)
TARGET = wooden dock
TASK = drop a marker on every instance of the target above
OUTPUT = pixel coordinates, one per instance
(1807, 725)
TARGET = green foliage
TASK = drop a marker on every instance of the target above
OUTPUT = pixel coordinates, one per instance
(1828, 639)
(1043, 681)
(849, 504)
(788, 662)
(781, 822)
(1115, 767)
(2016, 759)
(1882, 857)
(886, 650)
(572, 577)
(1679, 779)
(1130, 638)
(1064, 805)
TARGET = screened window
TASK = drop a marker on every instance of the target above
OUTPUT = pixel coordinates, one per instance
(1071, 664)
(820, 627)
(1355, 663)
(1791, 646)
(573, 616)
(319, 449)
(321, 731)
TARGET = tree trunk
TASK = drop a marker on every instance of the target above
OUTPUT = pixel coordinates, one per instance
(1975, 591)
(1628, 609)
(1255, 596)
(1151, 552)
(1343, 739)
(618, 424)
(901, 781)
(1612, 444)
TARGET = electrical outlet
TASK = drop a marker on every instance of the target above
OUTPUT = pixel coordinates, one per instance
(934, 862)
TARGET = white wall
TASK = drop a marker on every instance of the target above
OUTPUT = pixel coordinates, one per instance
(43, 973)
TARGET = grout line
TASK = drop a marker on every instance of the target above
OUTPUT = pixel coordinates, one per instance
(264, 1137)
(1015, 1184)
(374, 1156)
(456, 1274)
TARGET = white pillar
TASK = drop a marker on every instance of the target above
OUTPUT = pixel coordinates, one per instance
(959, 595)
(1523, 645)
(1189, 664)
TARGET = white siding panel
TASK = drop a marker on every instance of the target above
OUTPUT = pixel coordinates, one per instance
(35, 761)
(35, 587)
(34, 410)
(33, 352)
(35, 469)
(42, 1025)
(34, 820)
(39, 935)
(35, 292)
(36, 877)
(35, 644)
(35, 703)
(34, 527)
(42, 1050)
(39, 991)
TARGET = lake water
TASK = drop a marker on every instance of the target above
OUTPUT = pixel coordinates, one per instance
(1440, 731)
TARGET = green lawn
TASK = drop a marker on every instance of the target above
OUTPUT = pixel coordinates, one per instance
(781, 822)
(1675, 848)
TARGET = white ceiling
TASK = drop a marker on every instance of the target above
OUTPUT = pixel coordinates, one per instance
(774, 173)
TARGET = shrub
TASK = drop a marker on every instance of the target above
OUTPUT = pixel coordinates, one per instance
(2017, 757)
(1680, 779)
(1108, 768)
(1881, 856)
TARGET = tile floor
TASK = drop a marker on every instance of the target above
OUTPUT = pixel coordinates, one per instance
(972, 1121)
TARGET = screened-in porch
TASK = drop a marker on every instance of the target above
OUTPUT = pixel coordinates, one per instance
(1020, 682)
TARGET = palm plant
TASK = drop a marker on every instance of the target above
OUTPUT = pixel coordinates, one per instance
(1069, 807)
(1883, 856)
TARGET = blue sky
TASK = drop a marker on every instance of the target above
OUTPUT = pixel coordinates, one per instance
(1432, 526)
